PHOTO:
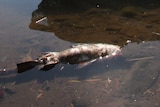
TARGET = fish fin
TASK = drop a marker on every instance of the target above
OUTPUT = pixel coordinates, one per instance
(24, 66)
(48, 66)
(84, 64)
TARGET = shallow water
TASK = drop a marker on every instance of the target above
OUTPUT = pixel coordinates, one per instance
(131, 79)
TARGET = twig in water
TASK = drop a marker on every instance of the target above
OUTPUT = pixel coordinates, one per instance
(41, 19)
(156, 33)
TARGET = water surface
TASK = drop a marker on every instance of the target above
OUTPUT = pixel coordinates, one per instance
(131, 79)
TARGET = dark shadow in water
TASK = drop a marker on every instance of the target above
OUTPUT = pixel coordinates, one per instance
(77, 104)
(5, 91)
(1, 94)
(68, 71)
(95, 21)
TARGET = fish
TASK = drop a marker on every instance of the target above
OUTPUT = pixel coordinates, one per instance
(74, 55)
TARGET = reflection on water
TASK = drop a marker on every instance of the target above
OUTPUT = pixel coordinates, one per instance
(128, 80)
(99, 24)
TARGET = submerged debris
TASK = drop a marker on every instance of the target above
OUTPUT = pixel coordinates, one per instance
(8, 91)
(148, 92)
(46, 86)
(13, 83)
(93, 80)
(156, 33)
(108, 85)
(39, 96)
(4, 90)
(74, 81)
(88, 80)
(1, 93)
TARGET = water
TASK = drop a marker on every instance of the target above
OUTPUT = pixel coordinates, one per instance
(128, 80)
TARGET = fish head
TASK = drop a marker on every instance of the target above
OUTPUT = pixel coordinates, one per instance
(49, 57)
(113, 50)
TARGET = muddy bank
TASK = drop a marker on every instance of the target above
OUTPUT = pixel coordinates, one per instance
(106, 25)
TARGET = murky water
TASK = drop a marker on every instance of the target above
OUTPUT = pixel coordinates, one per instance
(131, 79)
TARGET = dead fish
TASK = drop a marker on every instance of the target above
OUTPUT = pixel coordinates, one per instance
(74, 55)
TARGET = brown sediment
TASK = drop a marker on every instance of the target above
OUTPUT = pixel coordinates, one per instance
(105, 25)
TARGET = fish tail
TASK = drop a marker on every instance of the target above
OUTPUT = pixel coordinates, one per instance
(24, 66)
